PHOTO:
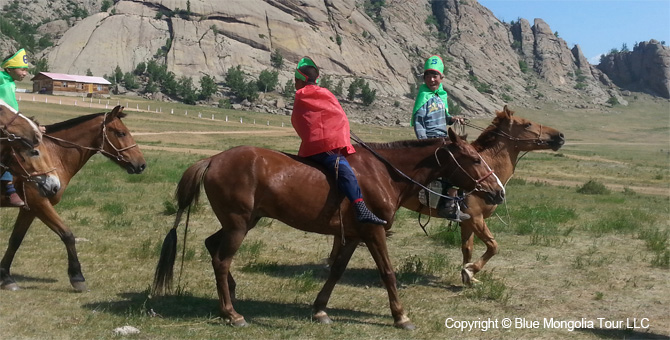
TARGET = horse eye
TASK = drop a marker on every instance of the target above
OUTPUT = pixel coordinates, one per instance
(34, 153)
(528, 125)
(120, 134)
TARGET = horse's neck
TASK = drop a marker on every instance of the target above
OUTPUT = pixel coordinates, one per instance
(82, 137)
(501, 157)
(419, 164)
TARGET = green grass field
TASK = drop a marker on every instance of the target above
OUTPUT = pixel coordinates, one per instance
(583, 236)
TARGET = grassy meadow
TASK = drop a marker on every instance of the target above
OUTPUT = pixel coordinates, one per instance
(584, 236)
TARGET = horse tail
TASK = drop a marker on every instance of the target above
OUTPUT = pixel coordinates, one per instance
(187, 193)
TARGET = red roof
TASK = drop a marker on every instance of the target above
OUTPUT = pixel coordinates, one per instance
(75, 78)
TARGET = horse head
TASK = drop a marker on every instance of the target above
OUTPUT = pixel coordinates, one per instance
(470, 172)
(15, 126)
(119, 145)
(32, 165)
(528, 135)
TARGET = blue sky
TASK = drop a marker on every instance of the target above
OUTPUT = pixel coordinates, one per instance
(597, 26)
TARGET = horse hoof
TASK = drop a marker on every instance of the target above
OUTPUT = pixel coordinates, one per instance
(239, 323)
(467, 277)
(322, 317)
(406, 326)
(79, 286)
(11, 287)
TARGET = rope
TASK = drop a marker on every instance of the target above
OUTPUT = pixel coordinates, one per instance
(385, 161)
(339, 207)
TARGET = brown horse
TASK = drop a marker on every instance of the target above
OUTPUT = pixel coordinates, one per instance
(16, 127)
(247, 183)
(31, 165)
(20, 154)
(71, 144)
(499, 145)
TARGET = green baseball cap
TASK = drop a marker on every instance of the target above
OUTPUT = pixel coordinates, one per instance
(434, 63)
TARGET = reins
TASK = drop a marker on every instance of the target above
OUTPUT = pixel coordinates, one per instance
(385, 161)
(100, 149)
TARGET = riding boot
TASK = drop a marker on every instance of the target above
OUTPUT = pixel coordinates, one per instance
(364, 215)
(14, 199)
(451, 210)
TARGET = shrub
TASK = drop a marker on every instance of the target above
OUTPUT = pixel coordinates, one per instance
(289, 89)
(339, 88)
(140, 68)
(118, 74)
(129, 81)
(276, 59)
(267, 80)
(523, 66)
(353, 88)
(106, 4)
(613, 101)
(151, 87)
(368, 95)
(593, 187)
(207, 87)
(225, 104)
(186, 90)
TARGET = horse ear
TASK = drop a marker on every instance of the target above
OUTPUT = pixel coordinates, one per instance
(453, 136)
(509, 112)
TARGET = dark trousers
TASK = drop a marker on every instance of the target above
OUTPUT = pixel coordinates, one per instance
(346, 179)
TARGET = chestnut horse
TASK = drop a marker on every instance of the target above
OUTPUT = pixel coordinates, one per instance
(71, 144)
(499, 144)
(20, 153)
(16, 127)
(247, 183)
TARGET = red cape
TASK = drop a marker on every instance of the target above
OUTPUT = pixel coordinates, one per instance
(320, 122)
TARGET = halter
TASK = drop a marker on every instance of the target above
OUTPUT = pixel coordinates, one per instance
(27, 176)
(4, 130)
(477, 181)
(105, 140)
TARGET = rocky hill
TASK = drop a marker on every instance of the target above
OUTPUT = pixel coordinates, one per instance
(489, 62)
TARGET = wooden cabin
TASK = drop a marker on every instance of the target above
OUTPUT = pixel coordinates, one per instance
(70, 85)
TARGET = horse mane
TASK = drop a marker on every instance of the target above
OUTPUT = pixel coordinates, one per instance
(488, 137)
(76, 121)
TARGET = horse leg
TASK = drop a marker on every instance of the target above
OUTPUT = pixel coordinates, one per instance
(482, 231)
(337, 244)
(21, 226)
(212, 244)
(375, 239)
(47, 214)
(229, 239)
(467, 245)
(340, 260)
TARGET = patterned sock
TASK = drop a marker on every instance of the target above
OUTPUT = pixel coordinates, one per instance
(364, 215)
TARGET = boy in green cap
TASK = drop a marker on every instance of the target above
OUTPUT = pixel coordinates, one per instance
(430, 118)
(15, 69)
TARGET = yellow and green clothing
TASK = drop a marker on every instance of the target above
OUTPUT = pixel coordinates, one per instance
(8, 90)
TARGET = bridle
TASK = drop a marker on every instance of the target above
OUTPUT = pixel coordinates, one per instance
(537, 141)
(5, 135)
(477, 182)
(26, 175)
(105, 140)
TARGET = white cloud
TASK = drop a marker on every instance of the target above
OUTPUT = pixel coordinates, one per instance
(596, 60)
